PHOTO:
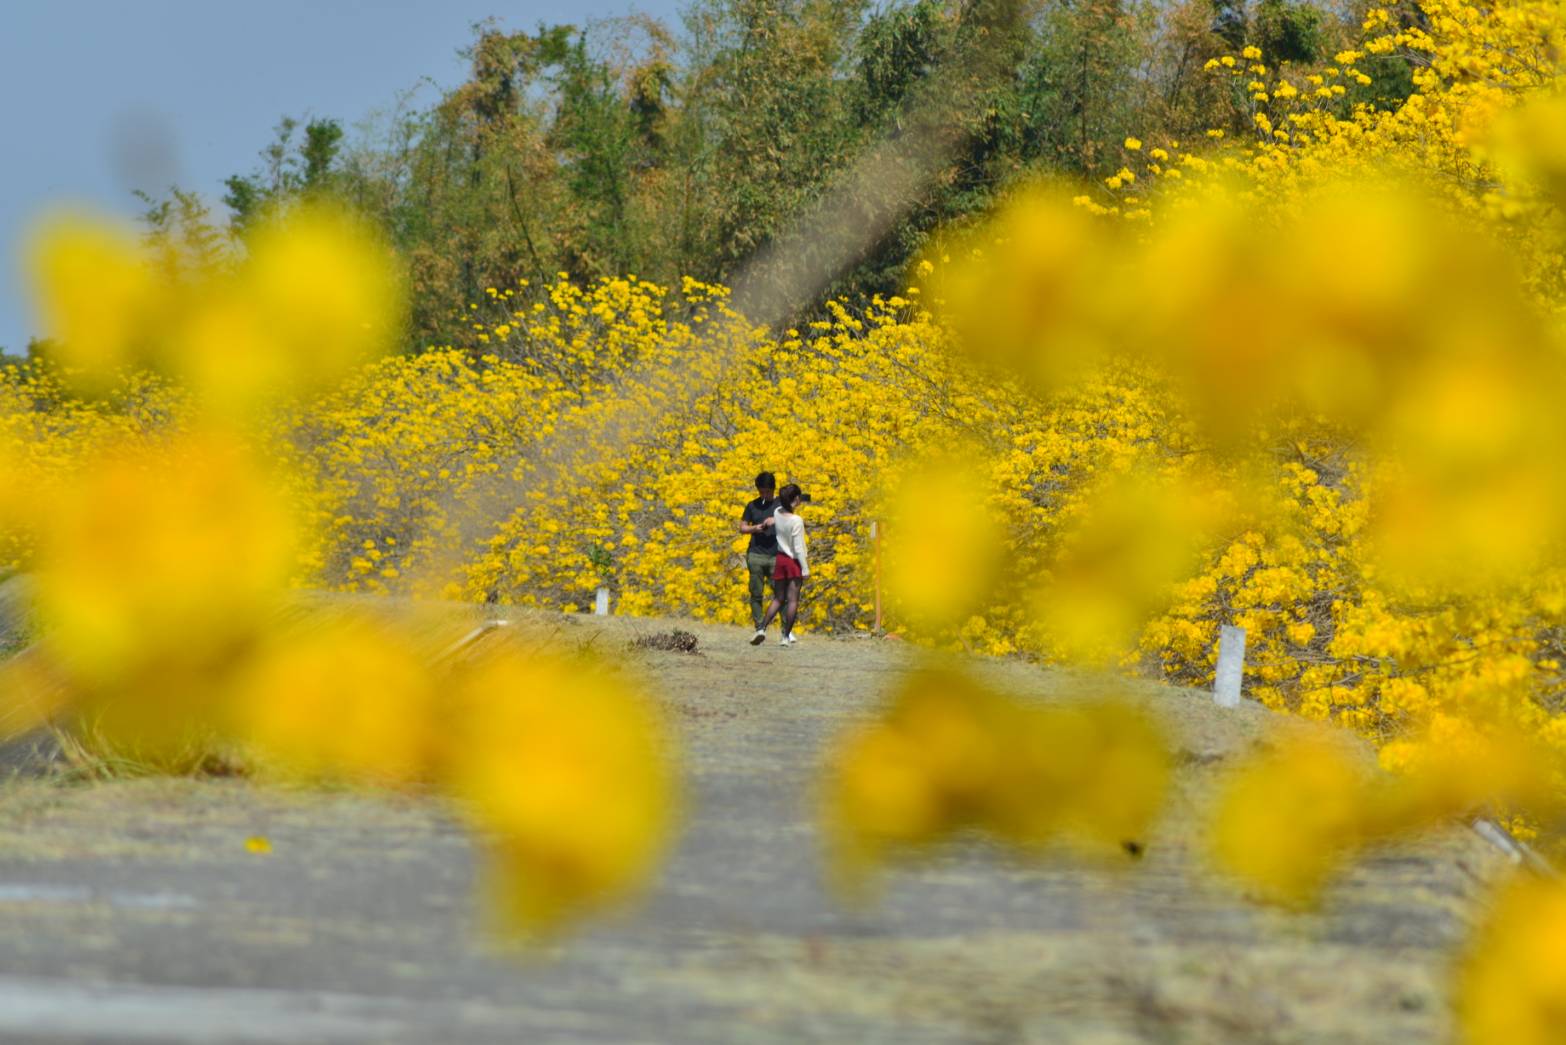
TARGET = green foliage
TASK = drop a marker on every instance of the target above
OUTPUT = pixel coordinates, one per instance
(322, 140)
(1391, 80)
(601, 559)
(774, 115)
(182, 231)
(290, 168)
(1290, 31)
(896, 50)
(1229, 22)
(630, 147)
(1080, 85)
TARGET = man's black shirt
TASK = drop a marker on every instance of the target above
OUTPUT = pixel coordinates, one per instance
(762, 541)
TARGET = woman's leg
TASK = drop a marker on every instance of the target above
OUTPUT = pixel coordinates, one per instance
(791, 609)
(772, 607)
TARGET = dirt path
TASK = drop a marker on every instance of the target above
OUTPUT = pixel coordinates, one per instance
(133, 912)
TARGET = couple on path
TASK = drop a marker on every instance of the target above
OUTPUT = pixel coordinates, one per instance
(777, 553)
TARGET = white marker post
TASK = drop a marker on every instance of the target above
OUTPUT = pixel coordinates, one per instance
(1231, 666)
(601, 602)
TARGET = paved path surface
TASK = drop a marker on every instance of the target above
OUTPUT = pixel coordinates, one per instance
(132, 911)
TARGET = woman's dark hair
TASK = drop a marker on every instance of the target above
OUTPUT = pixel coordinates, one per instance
(790, 495)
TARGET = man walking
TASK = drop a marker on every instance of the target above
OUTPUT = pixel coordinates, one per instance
(762, 554)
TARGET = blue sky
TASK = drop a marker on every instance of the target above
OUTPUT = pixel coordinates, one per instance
(99, 97)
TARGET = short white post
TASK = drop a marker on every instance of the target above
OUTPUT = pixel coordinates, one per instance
(1231, 666)
(601, 602)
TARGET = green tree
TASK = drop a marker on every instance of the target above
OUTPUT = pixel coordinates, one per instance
(625, 147)
(609, 138)
(1289, 31)
(1229, 22)
(774, 115)
(288, 169)
(182, 233)
(1081, 86)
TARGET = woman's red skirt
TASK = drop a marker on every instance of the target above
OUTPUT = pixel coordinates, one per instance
(786, 568)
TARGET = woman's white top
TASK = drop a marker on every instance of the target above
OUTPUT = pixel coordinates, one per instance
(790, 530)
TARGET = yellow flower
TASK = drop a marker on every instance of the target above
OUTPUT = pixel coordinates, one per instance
(97, 295)
(160, 556)
(949, 753)
(954, 512)
(568, 770)
(348, 699)
(1287, 820)
(1511, 985)
(323, 292)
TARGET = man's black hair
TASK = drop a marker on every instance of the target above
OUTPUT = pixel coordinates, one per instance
(766, 481)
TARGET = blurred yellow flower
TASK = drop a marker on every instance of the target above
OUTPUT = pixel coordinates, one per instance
(319, 290)
(97, 295)
(1016, 300)
(1511, 982)
(948, 753)
(173, 550)
(348, 699)
(1117, 557)
(568, 771)
(1289, 818)
(946, 547)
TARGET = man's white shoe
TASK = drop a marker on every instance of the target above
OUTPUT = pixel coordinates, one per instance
(783, 642)
(758, 638)
(791, 638)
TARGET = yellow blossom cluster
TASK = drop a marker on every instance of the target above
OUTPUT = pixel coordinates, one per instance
(48, 434)
(1510, 982)
(1387, 346)
(444, 474)
(314, 296)
(1358, 313)
(163, 532)
(949, 753)
(1291, 816)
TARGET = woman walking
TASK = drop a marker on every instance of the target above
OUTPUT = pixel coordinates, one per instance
(792, 567)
